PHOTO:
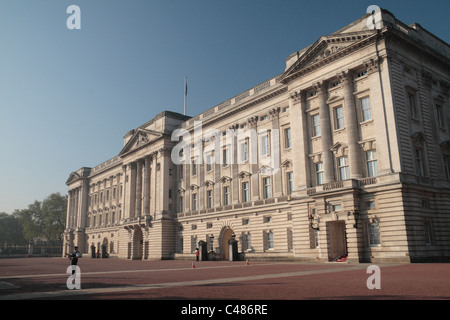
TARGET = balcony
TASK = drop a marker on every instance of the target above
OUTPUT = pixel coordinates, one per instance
(345, 184)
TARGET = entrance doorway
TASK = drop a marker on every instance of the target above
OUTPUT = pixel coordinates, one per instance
(227, 234)
(337, 240)
(138, 240)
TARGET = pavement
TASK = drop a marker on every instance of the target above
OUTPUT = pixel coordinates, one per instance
(188, 282)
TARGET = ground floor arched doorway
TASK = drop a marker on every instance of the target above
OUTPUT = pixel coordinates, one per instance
(226, 235)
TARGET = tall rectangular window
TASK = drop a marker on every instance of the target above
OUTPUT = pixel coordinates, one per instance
(270, 240)
(316, 125)
(343, 169)
(290, 182)
(374, 234)
(339, 117)
(209, 199)
(226, 195)
(245, 192)
(265, 149)
(194, 167)
(209, 162)
(419, 162)
(180, 171)
(446, 167)
(226, 157)
(440, 115)
(319, 173)
(244, 151)
(181, 204)
(365, 109)
(372, 163)
(194, 201)
(248, 241)
(412, 105)
(287, 138)
(267, 188)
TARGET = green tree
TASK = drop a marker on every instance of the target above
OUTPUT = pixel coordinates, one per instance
(44, 219)
(10, 231)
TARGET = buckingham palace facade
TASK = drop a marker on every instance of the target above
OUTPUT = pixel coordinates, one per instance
(344, 155)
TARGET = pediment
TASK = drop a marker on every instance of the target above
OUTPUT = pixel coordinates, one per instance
(418, 138)
(322, 51)
(140, 138)
(208, 183)
(286, 163)
(339, 149)
(225, 179)
(72, 178)
(244, 174)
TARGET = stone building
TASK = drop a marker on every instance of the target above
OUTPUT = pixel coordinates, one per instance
(345, 154)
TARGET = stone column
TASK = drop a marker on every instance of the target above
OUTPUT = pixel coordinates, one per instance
(325, 129)
(138, 188)
(254, 158)
(300, 148)
(132, 190)
(351, 124)
(69, 207)
(275, 152)
(147, 185)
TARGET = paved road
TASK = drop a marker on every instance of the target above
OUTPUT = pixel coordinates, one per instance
(112, 279)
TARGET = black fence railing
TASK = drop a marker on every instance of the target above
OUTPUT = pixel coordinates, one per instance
(35, 251)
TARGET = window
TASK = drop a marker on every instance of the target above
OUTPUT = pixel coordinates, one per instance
(181, 203)
(440, 115)
(319, 173)
(263, 118)
(248, 241)
(209, 199)
(180, 171)
(339, 116)
(267, 191)
(270, 240)
(446, 167)
(343, 168)
(265, 150)
(365, 109)
(374, 233)
(194, 201)
(427, 230)
(370, 205)
(372, 163)
(226, 195)
(337, 207)
(209, 162)
(419, 162)
(316, 125)
(290, 182)
(194, 167)
(412, 105)
(226, 157)
(244, 151)
(287, 138)
(245, 192)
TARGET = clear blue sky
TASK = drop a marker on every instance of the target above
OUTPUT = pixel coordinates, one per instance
(67, 97)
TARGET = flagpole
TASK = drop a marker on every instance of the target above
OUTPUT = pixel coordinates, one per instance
(185, 93)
